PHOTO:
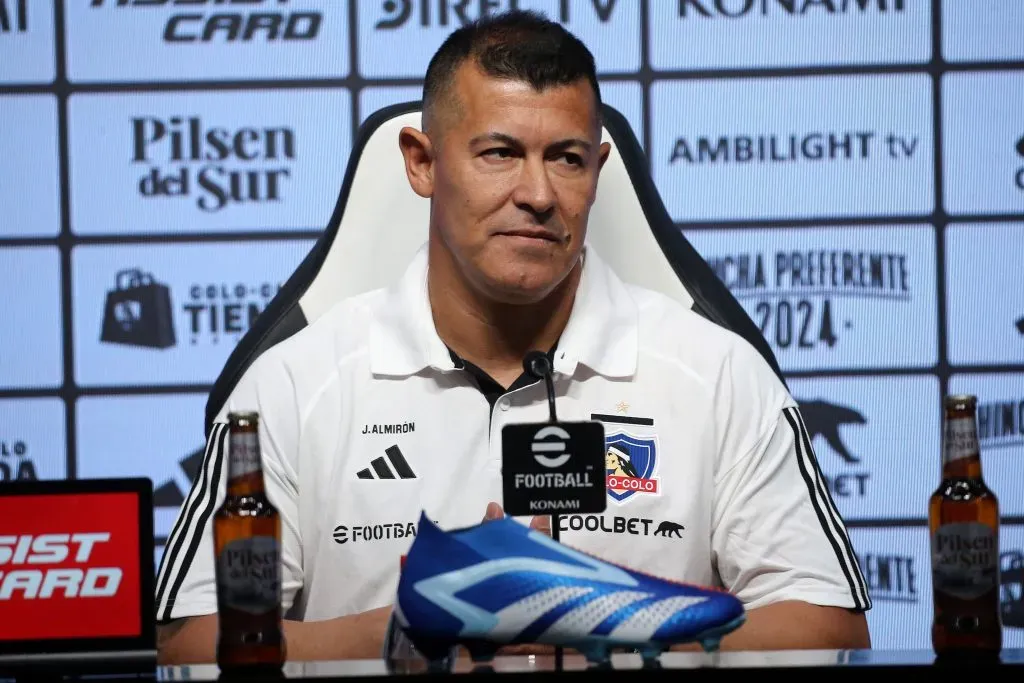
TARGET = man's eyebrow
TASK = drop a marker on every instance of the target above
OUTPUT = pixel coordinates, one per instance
(568, 143)
(511, 141)
(497, 137)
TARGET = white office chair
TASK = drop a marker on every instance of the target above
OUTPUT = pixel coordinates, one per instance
(379, 222)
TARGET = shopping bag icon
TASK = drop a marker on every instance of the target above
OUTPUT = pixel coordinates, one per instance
(138, 312)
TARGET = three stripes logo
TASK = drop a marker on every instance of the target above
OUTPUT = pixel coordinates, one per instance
(379, 469)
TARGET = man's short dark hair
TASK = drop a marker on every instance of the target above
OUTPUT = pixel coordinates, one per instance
(517, 45)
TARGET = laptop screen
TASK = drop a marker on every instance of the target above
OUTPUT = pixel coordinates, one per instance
(76, 566)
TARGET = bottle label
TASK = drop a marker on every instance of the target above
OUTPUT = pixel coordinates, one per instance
(249, 574)
(965, 559)
(961, 439)
(244, 454)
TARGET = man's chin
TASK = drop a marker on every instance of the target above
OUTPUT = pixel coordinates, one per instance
(520, 288)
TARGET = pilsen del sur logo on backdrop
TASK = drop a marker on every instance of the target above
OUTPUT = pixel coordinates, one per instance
(140, 311)
(210, 165)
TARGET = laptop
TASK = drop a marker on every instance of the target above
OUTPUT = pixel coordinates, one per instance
(77, 576)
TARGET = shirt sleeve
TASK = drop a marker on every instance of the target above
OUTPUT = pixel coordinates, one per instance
(777, 534)
(186, 581)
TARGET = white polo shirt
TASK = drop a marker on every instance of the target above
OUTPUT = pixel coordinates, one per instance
(366, 421)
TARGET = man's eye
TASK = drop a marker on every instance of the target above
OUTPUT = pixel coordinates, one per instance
(499, 152)
(573, 159)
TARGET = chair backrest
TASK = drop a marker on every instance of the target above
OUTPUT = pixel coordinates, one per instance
(379, 222)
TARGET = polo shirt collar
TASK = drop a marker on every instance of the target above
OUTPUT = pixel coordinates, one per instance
(601, 334)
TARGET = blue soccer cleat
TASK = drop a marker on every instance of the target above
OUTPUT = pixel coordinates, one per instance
(501, 583)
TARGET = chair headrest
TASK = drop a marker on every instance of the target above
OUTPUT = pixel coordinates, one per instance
(384, 222)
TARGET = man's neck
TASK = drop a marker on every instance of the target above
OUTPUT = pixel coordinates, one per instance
(494, 336)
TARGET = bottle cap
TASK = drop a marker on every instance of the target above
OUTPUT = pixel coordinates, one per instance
(960, 402)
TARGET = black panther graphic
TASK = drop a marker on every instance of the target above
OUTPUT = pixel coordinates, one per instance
(669, 529)
(825, 419)
(169, 494)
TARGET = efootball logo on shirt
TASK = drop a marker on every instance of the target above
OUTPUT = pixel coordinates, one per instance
(629, 465)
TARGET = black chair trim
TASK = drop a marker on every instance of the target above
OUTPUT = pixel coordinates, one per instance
(283, 316)
(711, 298)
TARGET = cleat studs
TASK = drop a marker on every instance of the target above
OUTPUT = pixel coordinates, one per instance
(651, 653)
(710, 644)
(481, 651)
(596, 654)
(433, 650)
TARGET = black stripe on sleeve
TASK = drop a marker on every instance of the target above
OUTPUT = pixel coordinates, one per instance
(181, 528)
(834, 513)
(828, 524)
(400, 463)
(195, 532)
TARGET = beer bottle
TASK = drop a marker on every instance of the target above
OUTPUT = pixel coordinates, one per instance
(963, 520)
(247, 542)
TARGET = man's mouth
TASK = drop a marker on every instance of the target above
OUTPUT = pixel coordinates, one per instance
(532, 233)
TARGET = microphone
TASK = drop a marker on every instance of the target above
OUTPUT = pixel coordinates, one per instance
(552, 467)
(538, 366)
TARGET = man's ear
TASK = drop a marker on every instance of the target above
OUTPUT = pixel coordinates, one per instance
(418, 152)
(602, 154)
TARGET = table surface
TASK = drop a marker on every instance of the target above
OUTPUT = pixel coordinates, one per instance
(836, 665)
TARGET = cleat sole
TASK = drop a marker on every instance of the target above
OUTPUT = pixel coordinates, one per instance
(434, 650)
(651, 652)
(597, 654)
(481, 651)
(439, 651)
(711, 644)
(711, 639)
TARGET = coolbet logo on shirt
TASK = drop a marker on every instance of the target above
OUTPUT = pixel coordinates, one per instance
(629, 465)
(69, 566)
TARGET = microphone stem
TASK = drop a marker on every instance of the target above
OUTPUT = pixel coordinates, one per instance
(551, 396)
(554, 418)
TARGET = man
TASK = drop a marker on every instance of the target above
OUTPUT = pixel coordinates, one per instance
(393, 402)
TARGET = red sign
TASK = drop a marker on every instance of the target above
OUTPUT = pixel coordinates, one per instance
(638, 484)
(69, 566)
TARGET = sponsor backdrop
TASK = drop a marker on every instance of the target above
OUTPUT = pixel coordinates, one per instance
(852, 169)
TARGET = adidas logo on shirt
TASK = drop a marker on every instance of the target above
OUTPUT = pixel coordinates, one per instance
(379, 469)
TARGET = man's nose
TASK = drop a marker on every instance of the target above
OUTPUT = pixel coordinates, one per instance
(534, 190)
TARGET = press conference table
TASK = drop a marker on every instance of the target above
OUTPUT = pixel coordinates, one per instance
(818, 665)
